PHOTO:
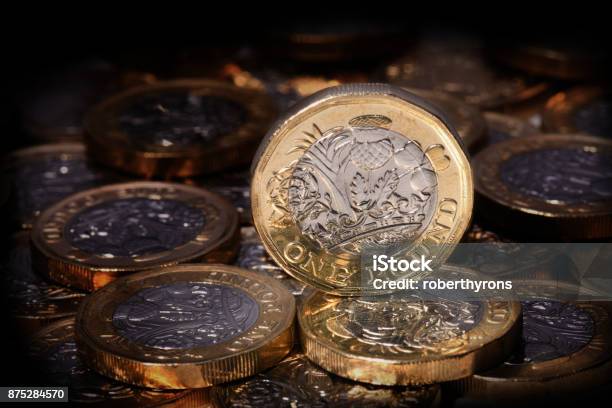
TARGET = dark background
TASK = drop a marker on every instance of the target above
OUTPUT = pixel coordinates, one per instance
(36, 42)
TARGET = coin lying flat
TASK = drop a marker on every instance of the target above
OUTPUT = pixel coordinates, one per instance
(296, 382)
(178, 128)
(404, 339)
(566, 349)
(580, 110)
(35, 301)
(93, 237)
(253, 256)
(55, 352)
(355, 168)
(502, 127)
(559, 185)
(465, 73)
(186, 326)
(466, 119)
(43, 175)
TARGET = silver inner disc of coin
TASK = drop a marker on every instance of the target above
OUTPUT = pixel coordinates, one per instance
(133, 227)
(177, 119)
(185, 315)
(571, 175)
(552, 330)
(362, 186)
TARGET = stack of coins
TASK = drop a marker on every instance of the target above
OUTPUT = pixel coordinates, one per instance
(149, 265)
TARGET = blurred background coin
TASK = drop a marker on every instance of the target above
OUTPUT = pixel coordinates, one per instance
(584, 109)
(186, 326)
(178, 128)
(548, 185)
(94, 237)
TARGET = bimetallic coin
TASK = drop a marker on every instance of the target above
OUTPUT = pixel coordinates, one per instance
(96, 236)
(566, 348)
(43, 175)
(580, 110)
(35, 301)
(466, 119)
(356, 168)
(253, 256)
(55, 352)
(502, 127)
(557, 185)
(404, 339)
(178, 128)
(296, 382)
(186, 326)
(464, 73)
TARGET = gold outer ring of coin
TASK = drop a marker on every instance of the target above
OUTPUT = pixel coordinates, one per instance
(54, 303)
(584, 369)
(50, 338)
(384, 107)
(560, 110)
(507, 207)
(265, 343)
(109, 145)
(38, 153)
(333, 347)
(55, 257)
(468, 121)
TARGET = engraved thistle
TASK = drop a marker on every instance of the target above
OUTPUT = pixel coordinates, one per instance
(358, 185)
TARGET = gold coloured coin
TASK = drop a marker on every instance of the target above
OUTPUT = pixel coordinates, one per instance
(297, 382)
(186, 326)
(466, 119)
(464, 72)
(566, 348)
(583, 109)
(178, 128)
(93, 237)
(558, 185)
(55, 352)
(355, 168)
(404, 339)
(43, 175)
